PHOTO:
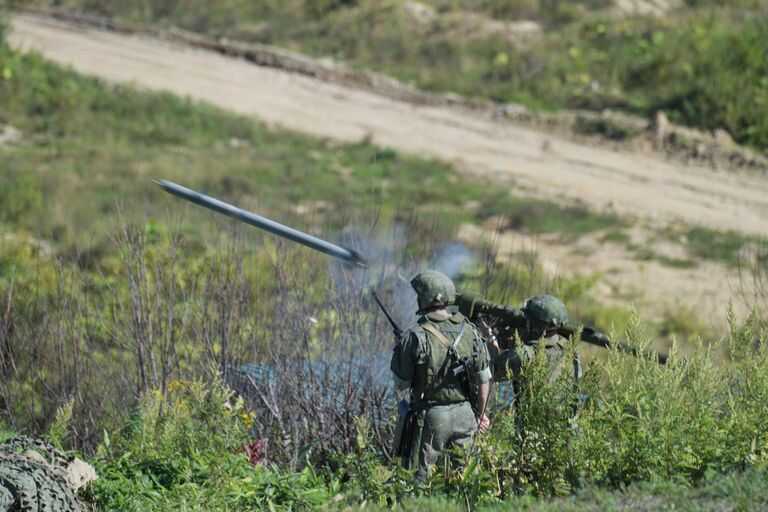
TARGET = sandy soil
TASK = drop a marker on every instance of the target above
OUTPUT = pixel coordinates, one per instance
(653, 288)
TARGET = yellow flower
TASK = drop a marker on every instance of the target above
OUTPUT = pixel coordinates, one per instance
(501, 59)
(248, 418)
(176, 385)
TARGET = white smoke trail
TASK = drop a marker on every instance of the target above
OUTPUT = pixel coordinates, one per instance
(390, 270)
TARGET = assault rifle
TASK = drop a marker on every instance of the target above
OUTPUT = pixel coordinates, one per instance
(407, 412)
(506, 319)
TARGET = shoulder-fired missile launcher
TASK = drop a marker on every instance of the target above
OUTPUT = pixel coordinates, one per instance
(507, 320)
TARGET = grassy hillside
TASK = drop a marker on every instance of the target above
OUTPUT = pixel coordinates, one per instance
(703, 64)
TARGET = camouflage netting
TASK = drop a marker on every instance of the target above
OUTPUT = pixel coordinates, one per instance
(35, 476)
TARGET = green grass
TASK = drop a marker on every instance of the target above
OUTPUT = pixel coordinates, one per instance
(540, 216)
(644, 253)
(717, 245)
(739, 491)
(701, 244)
(615, 236)
(6, 434)
(677, 262)
(703, 64)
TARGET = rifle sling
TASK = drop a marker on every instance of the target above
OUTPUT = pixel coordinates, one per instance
(444, 341)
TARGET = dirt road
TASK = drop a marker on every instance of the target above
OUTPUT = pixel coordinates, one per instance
(632, 184)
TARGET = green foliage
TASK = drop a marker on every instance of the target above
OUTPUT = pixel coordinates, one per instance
(551, 11)
(627, 425)
(640, 429)
(682, 323)
(368, 477)
(3, 27)
(59, 429)
(184, 450)
(169, 441)
(647, 65)
(6, 433)
(716, 245)
(635, 423)
(21, 196)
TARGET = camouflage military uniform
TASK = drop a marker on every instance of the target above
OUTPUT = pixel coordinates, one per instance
(420, 361)
(507, 365)
(544, 315)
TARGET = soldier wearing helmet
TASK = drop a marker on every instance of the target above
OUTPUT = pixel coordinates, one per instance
(544, 315)
(445, 363)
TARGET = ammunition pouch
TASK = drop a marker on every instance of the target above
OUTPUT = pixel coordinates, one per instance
(461, 369)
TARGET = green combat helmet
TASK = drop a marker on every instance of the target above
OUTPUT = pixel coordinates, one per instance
(434, 288)
(545, 312)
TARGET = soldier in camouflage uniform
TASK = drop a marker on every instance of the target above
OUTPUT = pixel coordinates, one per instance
(544, 315)
(422, 362)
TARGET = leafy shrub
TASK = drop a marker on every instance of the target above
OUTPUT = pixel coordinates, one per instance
(60, 426)
(171, 440)
(185, 449)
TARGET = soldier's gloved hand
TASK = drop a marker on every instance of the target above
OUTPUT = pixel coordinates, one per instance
(485, 328)
(484, 424)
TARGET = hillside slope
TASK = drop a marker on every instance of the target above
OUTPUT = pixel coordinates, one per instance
(632, 184)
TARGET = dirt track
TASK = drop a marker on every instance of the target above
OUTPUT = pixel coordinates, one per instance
(632, 184)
